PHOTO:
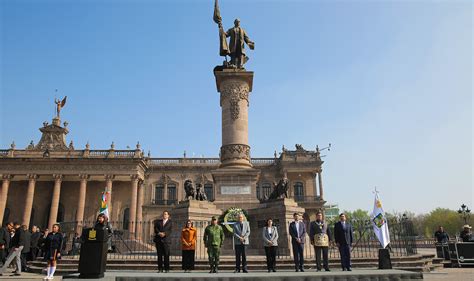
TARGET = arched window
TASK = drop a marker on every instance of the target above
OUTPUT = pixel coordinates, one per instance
(172, 197)
(209, 190)
(299, 191)
(159, 194)
(126, 218)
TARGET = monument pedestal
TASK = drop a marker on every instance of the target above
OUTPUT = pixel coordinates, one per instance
(236, 188)
(195, 210)
(200, 213)
(281, 212)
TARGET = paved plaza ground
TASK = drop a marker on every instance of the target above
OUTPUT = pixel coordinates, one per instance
(445, 274)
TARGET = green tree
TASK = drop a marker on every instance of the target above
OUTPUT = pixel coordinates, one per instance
(358, 214)
(449, 219)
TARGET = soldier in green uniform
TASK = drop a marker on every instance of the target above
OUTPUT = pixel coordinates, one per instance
(213, 239)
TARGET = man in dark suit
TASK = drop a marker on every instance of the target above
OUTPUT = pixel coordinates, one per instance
(162, 241)
(297, 232)
(25, 240)
(241, 241)
(35, 237)
(343, 236)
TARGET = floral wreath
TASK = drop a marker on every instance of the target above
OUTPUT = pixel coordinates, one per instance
(231, 216)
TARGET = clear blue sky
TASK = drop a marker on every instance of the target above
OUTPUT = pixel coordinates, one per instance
(388, 83)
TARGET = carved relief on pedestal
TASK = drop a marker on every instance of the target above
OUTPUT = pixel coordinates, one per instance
(235, 151)
(53, 137)
(234, 91)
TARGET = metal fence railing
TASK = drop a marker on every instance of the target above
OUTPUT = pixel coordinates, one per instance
(138, 244)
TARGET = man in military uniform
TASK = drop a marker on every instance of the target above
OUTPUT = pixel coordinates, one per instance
(213, 239)
(320, 237)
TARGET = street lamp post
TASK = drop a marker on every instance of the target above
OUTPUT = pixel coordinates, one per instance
(464, 212)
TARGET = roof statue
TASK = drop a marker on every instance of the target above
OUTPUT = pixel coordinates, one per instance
(59, 105)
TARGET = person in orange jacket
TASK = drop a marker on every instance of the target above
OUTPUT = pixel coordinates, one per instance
(188, 245)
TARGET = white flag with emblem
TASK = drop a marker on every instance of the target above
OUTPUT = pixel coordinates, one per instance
(379, 222)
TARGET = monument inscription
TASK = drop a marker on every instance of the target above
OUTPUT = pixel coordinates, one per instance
(235, 190)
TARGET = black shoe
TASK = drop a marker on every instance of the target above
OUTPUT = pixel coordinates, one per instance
(16, 274)
(245, 271)
(237, 271)
(343, 269)
(212, 270)
(166, 271)
(160, 270)
(274, 270)
(215, 270)
(301, 269)
(296, 270)
(327, 269)
(349, 269)
(318, 269)
(269, 270)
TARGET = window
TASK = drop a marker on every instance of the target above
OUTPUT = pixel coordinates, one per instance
(209, 190)
(172, 194)
(159, 194)
(258, 191)
(266, 190)
(299, 191)
(126, 218)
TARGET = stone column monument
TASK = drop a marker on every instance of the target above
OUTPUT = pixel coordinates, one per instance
(235, 180)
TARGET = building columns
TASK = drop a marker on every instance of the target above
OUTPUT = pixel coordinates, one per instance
(133, 205)
(4, 195)
(139, 219)
(53, 214)
(320, 181)
(108, 187)
(30, 194)
(81, 202)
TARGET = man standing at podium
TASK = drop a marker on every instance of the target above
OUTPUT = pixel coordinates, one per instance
(162, 241)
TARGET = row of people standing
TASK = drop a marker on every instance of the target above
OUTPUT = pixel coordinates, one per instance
(213, 238)
(320, 237)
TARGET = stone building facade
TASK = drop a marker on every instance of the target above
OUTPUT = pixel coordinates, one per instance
(54, 182)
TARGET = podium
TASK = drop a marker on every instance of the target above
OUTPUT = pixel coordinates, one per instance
(93, 258)
(384, 259)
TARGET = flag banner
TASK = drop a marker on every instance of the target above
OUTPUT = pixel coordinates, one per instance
(104, 208)
(223, 46)
(379, 222)
(217, 14)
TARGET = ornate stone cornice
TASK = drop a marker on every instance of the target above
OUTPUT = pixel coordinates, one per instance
(235, 151)
(134, 178)
(234, 91)
(58, 177)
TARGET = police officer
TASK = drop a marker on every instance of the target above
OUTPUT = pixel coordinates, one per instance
(213, 239)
